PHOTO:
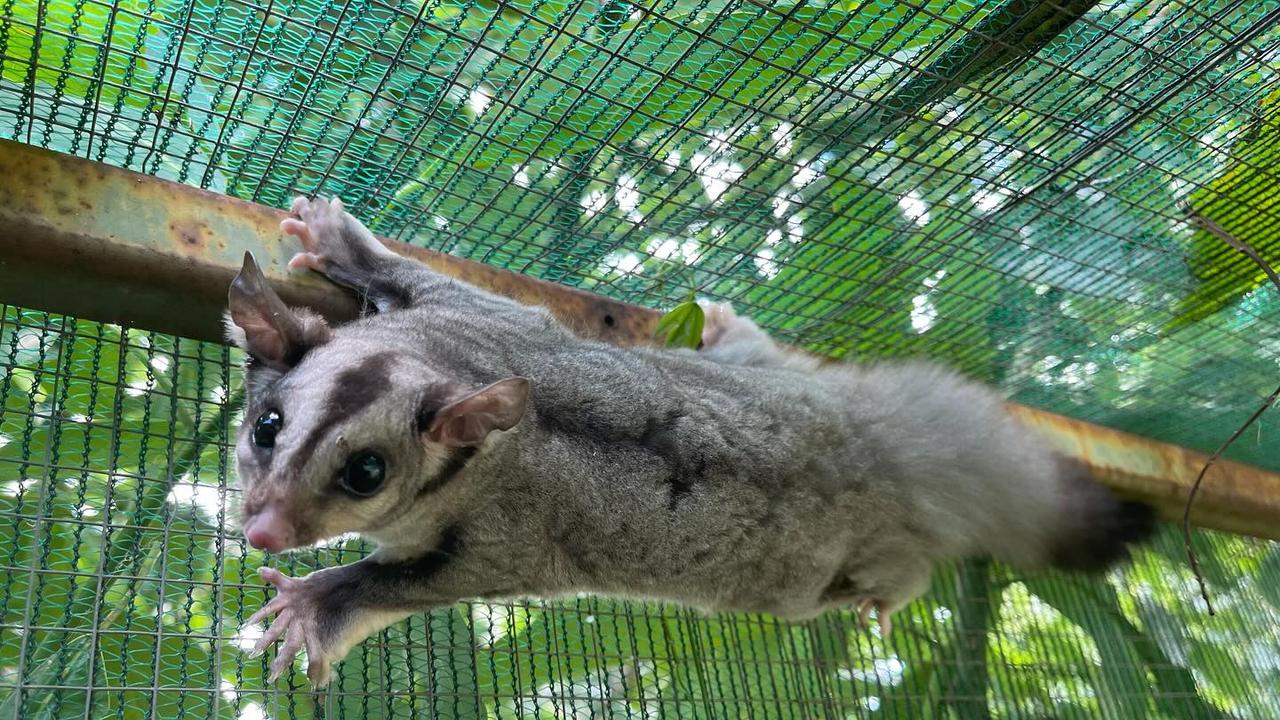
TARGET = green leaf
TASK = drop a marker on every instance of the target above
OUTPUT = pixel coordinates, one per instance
(682, 326)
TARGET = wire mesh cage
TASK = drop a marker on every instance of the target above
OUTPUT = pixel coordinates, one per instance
(1018, 188)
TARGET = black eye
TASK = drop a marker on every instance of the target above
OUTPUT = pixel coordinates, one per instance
(266, 429)
(364, 474)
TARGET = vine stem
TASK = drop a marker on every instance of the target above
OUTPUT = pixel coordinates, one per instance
(1213, 228)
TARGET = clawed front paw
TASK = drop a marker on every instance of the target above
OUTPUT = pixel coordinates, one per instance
(314, 222)
(333, 241)
(297, 620)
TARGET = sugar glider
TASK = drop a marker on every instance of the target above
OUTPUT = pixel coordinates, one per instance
(491, 453)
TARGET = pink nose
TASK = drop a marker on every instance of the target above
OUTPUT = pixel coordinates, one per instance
(268, 530)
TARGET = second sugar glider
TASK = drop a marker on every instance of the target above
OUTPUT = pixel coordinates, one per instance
(491, 453)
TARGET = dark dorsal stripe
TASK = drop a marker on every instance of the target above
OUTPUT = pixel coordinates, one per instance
(685, 465)
(354, 389)
(660, 436)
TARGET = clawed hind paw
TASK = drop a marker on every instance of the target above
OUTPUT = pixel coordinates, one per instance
(333, 242)
(717, 317)
(883, 615)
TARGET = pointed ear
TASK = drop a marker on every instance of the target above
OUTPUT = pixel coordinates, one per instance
(468, 421)
(260, 322)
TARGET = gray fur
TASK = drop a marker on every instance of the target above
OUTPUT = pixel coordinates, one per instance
(739, 477)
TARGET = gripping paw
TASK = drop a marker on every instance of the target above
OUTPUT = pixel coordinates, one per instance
(722, 326)
(333, 242)
(735, 340)
(865, 606)
(297, 620)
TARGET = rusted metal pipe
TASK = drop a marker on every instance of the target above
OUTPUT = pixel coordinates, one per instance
(1235, 497)
(98, 242)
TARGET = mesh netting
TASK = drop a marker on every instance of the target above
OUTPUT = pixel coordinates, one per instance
(1013, 187)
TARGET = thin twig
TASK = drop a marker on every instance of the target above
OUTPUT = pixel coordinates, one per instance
(1195, 488)
(1213, 228)
(1221, 233)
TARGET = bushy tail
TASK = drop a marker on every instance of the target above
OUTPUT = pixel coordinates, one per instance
(1100, 528)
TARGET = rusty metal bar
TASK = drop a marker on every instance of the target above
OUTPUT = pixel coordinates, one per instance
(97, 242)
(1234, 497)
